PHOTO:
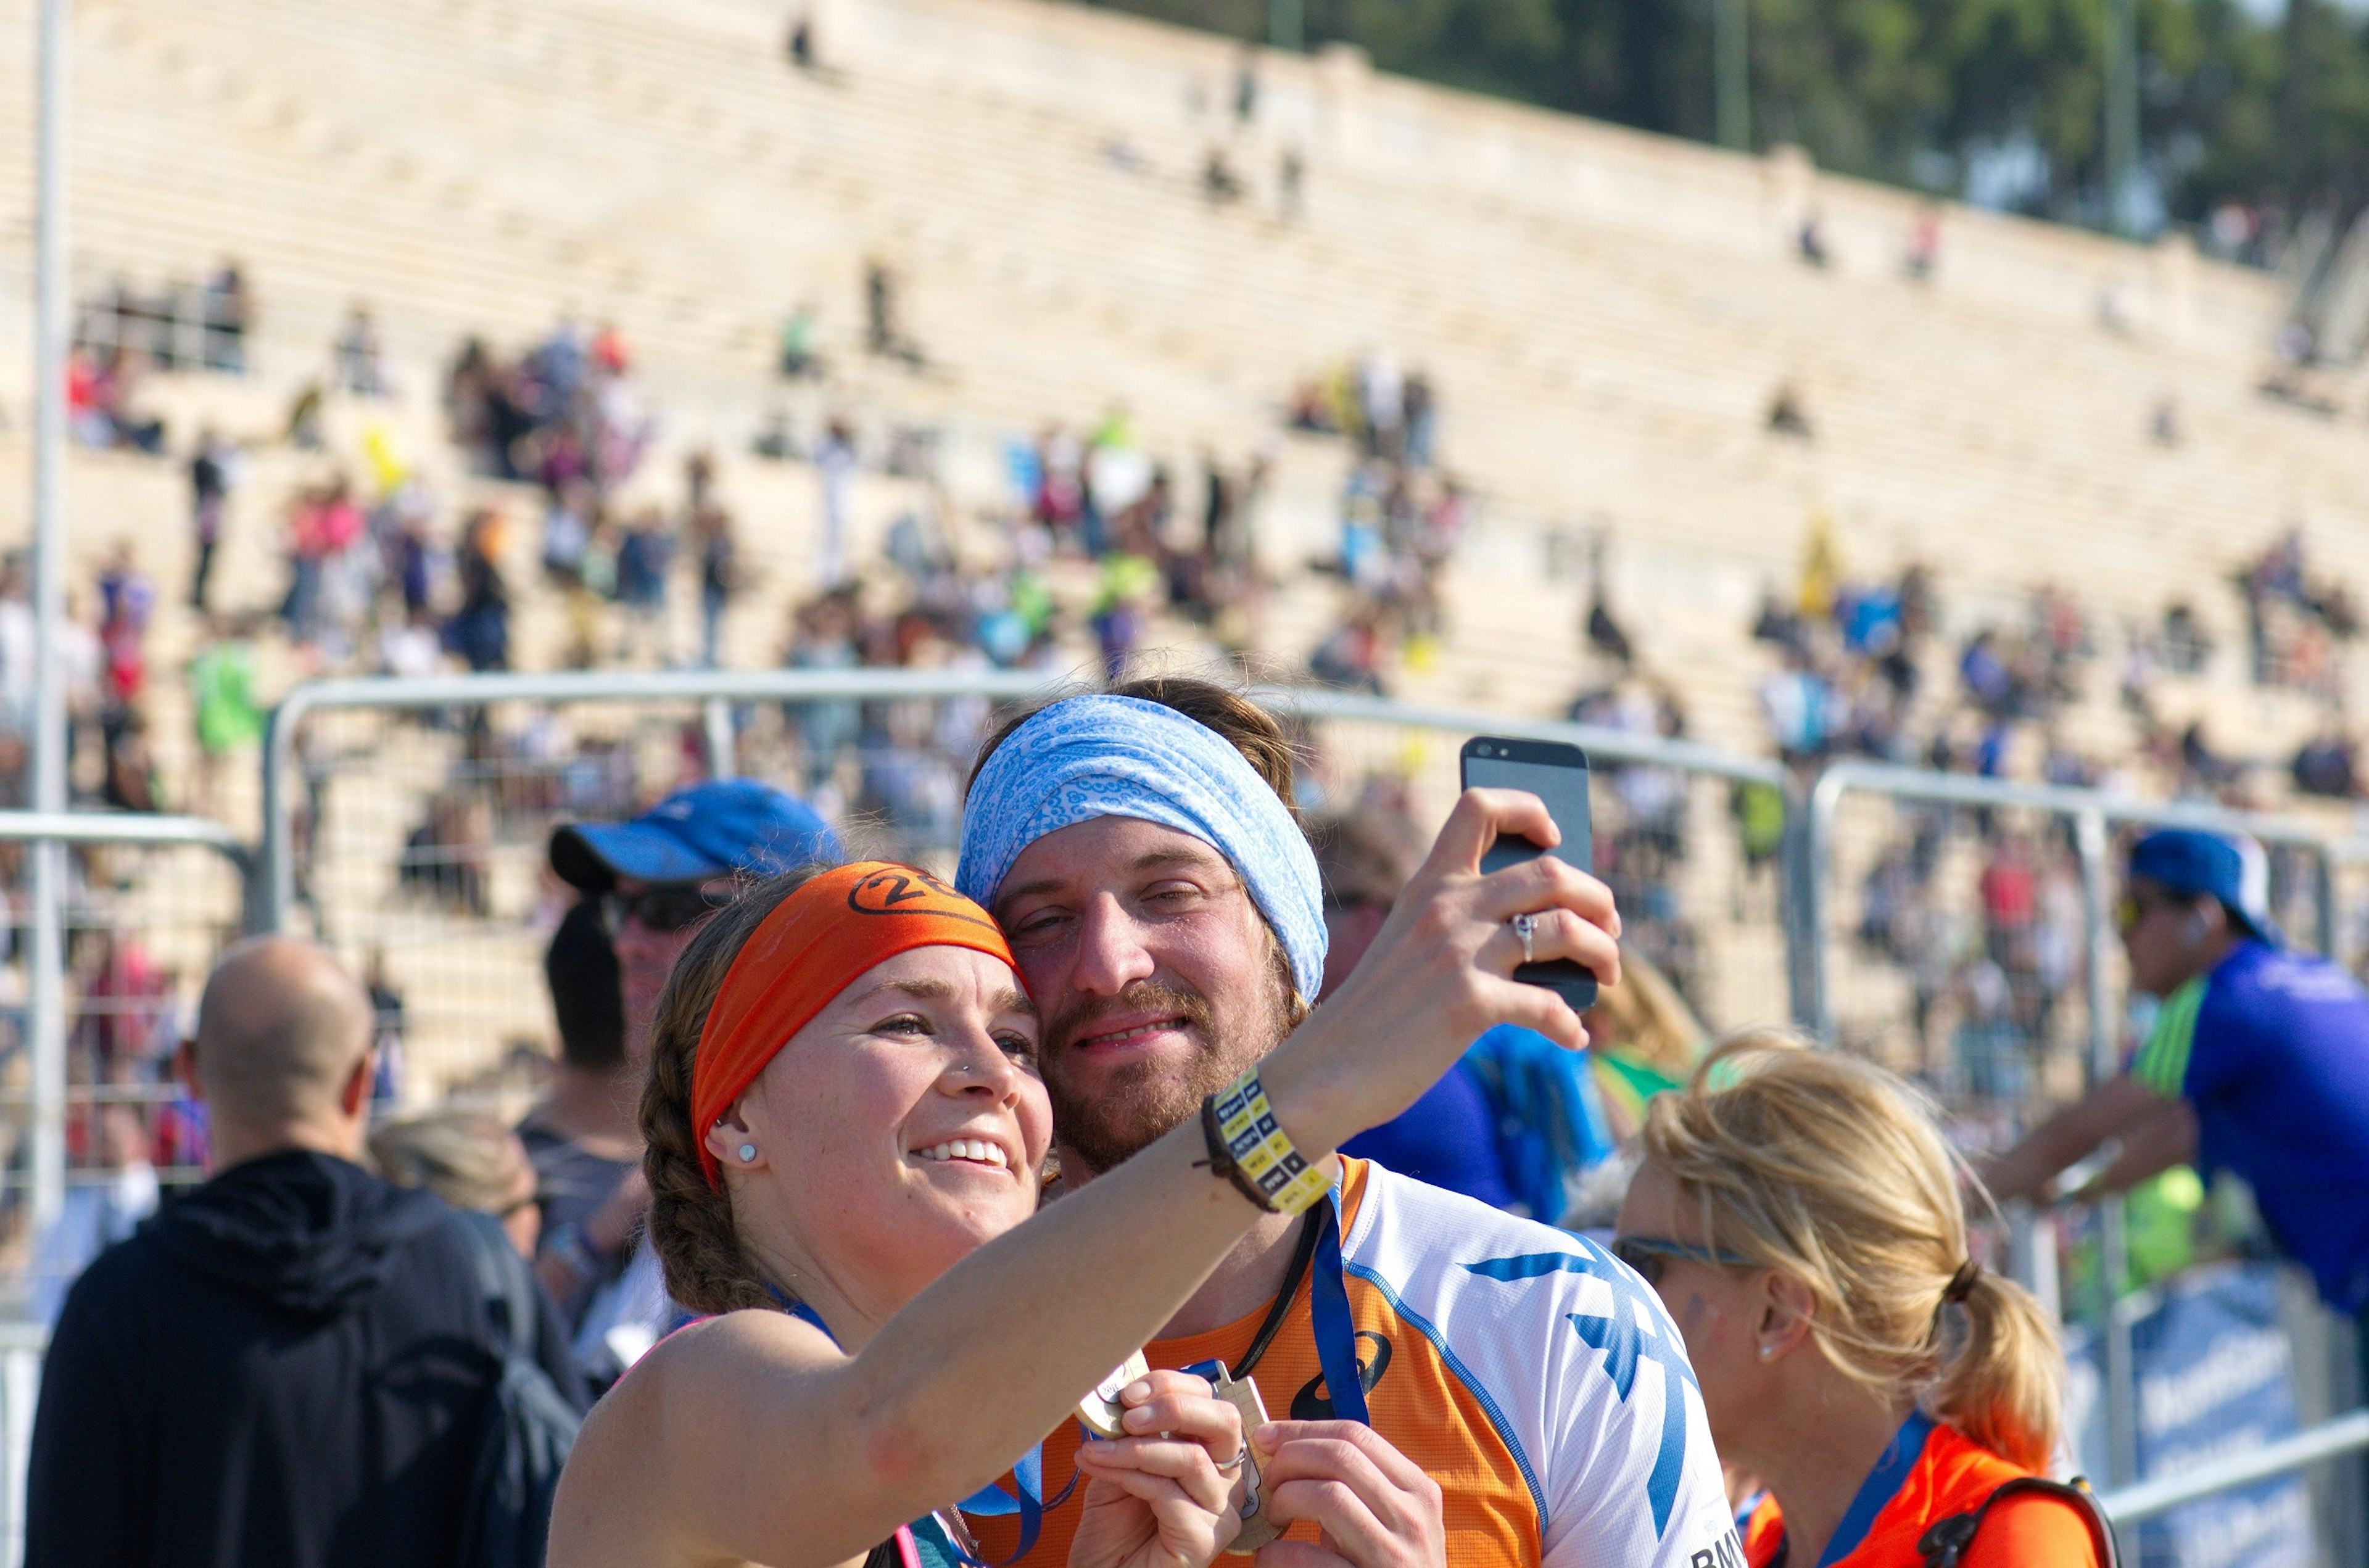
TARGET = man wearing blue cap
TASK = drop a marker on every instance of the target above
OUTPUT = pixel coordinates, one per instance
(645, 887)
(2258, 1064)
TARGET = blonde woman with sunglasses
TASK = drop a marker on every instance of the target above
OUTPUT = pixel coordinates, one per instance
(1799, 1213)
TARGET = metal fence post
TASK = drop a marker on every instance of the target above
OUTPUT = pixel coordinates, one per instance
(50, 328)
(2323, 899)
(715, 723)
(1797, 870)
(2114, 1327)
(1818, 864)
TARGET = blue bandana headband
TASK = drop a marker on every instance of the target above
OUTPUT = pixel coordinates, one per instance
(1099, 756)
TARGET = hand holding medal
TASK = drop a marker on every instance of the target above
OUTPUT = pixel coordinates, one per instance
(1166, 1480)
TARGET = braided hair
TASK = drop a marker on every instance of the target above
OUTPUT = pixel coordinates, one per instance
(691, 1221)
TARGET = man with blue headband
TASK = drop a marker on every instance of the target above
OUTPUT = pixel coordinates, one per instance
(1448, 1384)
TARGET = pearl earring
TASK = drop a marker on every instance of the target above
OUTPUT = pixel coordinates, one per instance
(1765, 1350)
(748, 1152)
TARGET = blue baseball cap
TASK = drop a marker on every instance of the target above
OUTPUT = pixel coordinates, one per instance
(2186, 860)
(709, 830)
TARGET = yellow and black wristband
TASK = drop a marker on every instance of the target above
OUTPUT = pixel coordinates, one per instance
(1251, 1149)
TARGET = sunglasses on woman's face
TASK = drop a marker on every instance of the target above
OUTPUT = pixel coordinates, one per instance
(1646, 1255)
(661, 909)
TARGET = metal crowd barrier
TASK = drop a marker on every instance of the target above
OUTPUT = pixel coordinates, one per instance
(1698, 901)
(2090, 812)
(2085, 817)
(188, 921)
(715, 692)
(404, 821)
(2329, 1439)
(453, 900)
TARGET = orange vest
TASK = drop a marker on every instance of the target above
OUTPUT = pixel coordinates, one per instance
(1950, 1475)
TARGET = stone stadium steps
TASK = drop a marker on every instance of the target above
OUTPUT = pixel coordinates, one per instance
(797, 84)
(1637, 357)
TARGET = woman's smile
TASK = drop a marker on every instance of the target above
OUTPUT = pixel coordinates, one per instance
(979, 1151)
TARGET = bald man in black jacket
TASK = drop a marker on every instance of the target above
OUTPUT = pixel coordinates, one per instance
(291, 1366)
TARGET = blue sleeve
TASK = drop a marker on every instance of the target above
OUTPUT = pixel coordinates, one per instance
(1448, 1137)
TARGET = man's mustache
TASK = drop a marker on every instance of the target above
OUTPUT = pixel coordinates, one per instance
(1143, 996)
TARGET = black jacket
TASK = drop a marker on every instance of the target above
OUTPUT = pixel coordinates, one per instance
(287, 1369)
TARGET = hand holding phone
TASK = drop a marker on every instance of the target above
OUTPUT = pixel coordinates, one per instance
(1556, 771)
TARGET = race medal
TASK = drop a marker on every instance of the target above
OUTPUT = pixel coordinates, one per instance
(1257, 1531)
(1101, 1410)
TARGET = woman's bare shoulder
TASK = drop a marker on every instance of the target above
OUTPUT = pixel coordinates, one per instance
(713, 1357)
(620, 1499)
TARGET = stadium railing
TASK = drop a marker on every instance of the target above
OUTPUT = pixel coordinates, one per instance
(1695, 879)
(405, 822)
(406, 826)
(2345, 1435)
(149, 903)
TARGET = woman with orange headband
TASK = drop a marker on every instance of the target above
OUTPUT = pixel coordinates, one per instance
(845, 1132)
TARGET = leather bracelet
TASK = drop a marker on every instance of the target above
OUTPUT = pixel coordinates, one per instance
(1250, 1146)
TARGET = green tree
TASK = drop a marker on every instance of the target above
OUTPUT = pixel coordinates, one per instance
(2232, 109)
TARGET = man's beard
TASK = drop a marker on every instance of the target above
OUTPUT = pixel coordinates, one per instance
(1144, 1101)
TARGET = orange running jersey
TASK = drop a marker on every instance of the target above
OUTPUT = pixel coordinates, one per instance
(1951, 1475)
(1531, 1373)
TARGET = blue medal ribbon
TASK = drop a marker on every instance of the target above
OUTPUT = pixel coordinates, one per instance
(1328, 1313)
(1329, 1320)
(1883, 1482)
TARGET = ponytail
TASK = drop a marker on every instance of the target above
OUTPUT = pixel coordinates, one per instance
(690, 1223)
(1834, 1171)
(2001, 1379)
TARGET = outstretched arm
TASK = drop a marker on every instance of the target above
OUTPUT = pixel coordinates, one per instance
(2115, 1109)
(2150, 1147)
(751, 1437)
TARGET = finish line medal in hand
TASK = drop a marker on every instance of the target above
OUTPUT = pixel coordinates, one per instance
(1243, 1396)
(1102, 1414)
(1101, 1410)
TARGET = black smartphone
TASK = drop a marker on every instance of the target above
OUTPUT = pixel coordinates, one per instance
(1556, 771)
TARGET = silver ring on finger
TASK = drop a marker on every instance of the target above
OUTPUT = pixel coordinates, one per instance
(1235, 1463)
(1526, 926)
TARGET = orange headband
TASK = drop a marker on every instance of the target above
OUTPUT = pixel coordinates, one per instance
(813, 945)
